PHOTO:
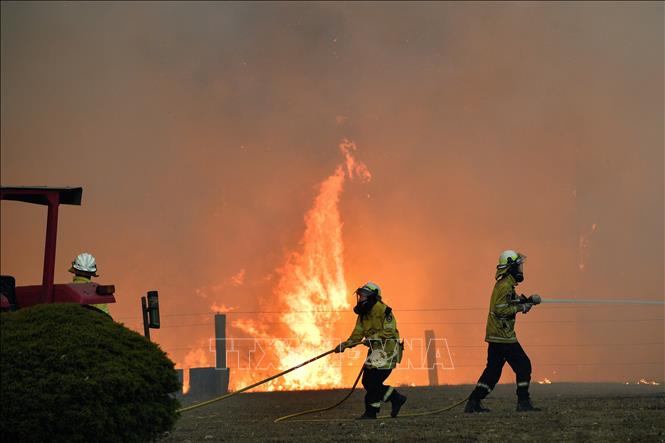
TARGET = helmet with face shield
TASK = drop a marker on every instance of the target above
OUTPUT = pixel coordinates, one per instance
(511, 262)
(366, 297)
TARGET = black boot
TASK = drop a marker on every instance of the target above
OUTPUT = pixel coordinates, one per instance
(474, 405)
(369, 414)
(525, 406)
(397, 401)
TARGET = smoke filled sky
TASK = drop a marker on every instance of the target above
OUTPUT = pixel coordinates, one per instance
(200, 133)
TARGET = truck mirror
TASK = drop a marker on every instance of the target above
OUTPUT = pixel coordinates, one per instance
(105, 289)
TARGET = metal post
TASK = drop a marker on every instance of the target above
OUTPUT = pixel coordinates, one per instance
(430, 344)
(221, 371)
(144, 310)
(49, 248)
(220, 341)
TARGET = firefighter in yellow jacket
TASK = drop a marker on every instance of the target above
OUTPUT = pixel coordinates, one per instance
(500, 335)
(376, 328)
(84, 267)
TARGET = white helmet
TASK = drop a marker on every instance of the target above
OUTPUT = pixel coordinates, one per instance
(508, 257)
(85, 262)
(372, 288)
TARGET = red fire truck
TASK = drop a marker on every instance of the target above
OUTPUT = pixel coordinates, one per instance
(14, 297)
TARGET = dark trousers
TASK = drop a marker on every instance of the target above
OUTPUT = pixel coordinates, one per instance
(497, 355)
(373, 382)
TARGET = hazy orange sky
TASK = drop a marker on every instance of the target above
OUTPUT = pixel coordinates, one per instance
(200, 133)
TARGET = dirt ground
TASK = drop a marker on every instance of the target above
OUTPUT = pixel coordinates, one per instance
(571, 412)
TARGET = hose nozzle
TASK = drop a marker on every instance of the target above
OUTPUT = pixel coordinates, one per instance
(532, 299)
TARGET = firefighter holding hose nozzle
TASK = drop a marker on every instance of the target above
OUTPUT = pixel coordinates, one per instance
(376, 324)
(500, 335)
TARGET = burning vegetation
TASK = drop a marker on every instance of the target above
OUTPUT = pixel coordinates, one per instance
(310, 291)
(308, 296)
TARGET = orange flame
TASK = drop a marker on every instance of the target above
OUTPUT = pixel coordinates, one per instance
(311, 287)
(221, 308)
(196, 358)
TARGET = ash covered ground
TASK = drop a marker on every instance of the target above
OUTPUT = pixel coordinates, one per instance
(571, 412)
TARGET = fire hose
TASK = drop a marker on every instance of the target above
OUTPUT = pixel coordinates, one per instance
(533, 300)
(247, 388)
(310, 411)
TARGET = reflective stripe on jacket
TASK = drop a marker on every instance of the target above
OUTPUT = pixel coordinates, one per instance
(379, 326)
(504, 304)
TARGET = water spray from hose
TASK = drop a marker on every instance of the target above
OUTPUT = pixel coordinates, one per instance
(536, 300)
(602, 302)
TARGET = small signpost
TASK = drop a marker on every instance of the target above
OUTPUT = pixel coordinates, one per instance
(150, 309)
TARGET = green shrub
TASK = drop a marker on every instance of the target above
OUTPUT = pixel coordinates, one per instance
(72, 374)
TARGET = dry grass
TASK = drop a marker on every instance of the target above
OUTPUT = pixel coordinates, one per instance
(571, 412)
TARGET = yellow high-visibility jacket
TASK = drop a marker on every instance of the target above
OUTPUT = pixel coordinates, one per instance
(379, 327)
(504, 304)
(102, 307)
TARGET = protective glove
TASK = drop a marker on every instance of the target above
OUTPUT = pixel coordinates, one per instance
(340, 347)
(526, 307)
